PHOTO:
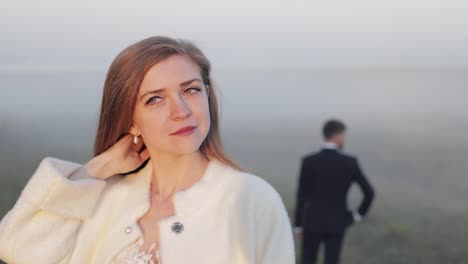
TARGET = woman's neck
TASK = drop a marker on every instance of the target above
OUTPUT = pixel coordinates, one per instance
(175, 173)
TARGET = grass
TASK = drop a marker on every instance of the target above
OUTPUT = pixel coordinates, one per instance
(406, 233)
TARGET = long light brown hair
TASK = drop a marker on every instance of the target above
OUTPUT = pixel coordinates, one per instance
(124, 78)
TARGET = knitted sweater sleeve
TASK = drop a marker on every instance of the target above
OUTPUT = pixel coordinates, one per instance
(42, 226)
(274, 239)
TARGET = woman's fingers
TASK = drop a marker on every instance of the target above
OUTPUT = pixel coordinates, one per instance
(125, 142)
(130, 155)
(144, 155)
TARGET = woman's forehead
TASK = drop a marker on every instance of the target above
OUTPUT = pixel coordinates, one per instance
(171, 73)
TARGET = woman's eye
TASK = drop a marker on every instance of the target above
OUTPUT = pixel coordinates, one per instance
(194, 90)
(153, 99)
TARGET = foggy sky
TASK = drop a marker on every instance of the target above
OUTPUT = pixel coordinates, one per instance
(39, 35)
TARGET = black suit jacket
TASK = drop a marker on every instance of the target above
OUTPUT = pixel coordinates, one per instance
(324, 182)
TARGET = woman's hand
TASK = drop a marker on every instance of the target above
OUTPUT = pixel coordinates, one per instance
(120, 158)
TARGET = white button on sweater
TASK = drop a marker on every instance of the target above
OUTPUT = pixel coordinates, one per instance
(65, 216)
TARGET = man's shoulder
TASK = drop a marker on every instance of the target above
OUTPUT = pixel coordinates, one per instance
(311, 155)
(317, 155)
(348, 156)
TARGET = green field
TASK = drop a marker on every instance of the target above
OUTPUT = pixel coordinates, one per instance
(403, 231)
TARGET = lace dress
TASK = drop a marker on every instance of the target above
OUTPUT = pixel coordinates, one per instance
(132, 254)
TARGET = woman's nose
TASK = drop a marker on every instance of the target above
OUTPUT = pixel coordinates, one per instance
(180, 109)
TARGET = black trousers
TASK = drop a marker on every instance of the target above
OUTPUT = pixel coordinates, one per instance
(311, 243)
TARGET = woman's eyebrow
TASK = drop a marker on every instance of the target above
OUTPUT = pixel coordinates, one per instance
(189, 81)
(163, 89)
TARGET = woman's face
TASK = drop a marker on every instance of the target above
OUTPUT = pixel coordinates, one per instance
(172, 96)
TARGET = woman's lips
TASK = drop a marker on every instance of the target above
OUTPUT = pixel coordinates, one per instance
(184, 131)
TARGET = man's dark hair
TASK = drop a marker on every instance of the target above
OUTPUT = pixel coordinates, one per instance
(333, 127)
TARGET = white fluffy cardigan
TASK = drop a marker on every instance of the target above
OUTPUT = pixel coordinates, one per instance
(65, 216)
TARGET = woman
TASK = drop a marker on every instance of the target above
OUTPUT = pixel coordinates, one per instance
(159, 188)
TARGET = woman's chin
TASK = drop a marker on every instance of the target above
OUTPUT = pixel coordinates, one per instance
(186, 149)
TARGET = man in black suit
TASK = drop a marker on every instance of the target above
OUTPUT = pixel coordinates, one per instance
(322, 215)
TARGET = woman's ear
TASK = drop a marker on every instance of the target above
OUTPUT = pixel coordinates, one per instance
(133, 130)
